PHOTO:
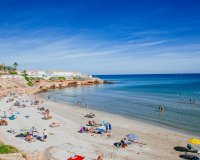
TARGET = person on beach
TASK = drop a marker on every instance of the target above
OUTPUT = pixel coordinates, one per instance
(4, 114)
(92, 123)
(123, 143)
(54, 124)
(47, 111)
(101, 157)
(90, 115)
(110, 127)
(161, 109)
(182, 100)
(190, 100)
(44, 135)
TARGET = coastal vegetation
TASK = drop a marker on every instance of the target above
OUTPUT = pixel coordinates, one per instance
(5, 149)
(28, 79)
(79, 78)
(30, 83)
(57, 78)
(36, 78)
(4, 69)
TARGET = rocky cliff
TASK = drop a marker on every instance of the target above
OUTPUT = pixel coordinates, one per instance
(20, 85)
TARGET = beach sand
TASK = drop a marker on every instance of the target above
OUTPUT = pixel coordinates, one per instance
(155, 143)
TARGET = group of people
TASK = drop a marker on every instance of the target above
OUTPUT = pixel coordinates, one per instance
(45, 112)
(31, 135)
(3, 122)
(123, 143)
(192, 101)
(94, 127)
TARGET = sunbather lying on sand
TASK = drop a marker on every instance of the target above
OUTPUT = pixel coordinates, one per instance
(48, 116)
(92, 123)
(29, 138)
(91, 130)
(55, 124)
(90, 115)
(3, 122)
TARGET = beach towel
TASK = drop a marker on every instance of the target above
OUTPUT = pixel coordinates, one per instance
(100, 130)
(76, 157)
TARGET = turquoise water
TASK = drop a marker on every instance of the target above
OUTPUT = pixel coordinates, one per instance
(139, 97)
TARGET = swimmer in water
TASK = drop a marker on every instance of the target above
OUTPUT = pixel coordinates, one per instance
(161, 109)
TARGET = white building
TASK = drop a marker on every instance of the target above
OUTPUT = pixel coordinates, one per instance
(11, 77)
(38, 73)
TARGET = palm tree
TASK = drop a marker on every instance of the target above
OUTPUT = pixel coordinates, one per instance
(15, 65)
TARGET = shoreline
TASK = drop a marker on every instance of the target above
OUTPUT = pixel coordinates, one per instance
(162, 125)
(66, 141)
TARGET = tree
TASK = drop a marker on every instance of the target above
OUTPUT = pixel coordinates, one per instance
(15, 65)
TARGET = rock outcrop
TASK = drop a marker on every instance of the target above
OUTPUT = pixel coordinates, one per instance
(20, 85)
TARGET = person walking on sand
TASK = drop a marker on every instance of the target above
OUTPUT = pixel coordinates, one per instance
(4, 114)
(44, 135)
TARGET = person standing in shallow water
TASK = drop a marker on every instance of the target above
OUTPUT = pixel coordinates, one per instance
(161, 109)
(182, 100)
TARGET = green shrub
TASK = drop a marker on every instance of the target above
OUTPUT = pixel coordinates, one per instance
(30, 83)
(79, 78)
(5, 149)
(13, 72)
(57, 78)
(36, 78)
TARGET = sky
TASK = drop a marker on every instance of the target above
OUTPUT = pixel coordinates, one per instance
(101, 36)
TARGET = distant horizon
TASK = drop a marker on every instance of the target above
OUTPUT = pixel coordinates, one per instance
(142, 74)
(105, 36)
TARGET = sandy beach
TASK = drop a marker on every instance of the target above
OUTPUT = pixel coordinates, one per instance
(155, 143)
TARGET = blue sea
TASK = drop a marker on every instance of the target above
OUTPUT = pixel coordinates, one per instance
(139, 97)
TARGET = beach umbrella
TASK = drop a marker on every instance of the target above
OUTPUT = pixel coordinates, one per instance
(132, 137)
(194, 141)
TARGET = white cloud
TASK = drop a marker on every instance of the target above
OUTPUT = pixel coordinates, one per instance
(100, 56)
